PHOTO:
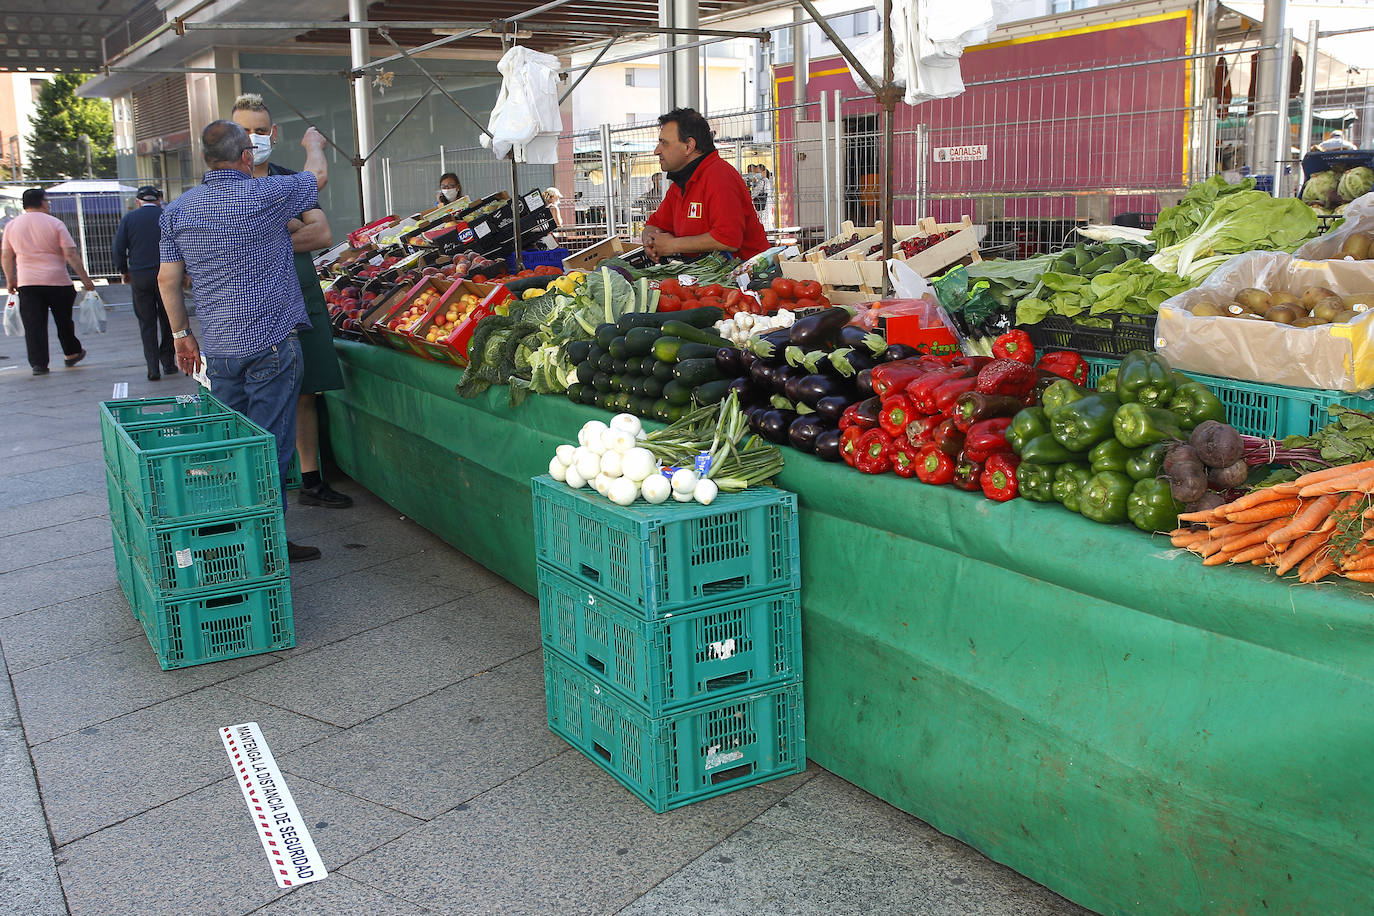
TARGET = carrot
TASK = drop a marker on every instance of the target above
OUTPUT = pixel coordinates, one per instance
(1330, 473)
(1360, 481)
(1358, 561)
(1206, 515)
(1300, 550)
(1231, 529)
(1252, 554)
(1307, 520)
(1252, 499)
(1220, 557)
(1323, 567)
(1361, 575)
(1188, 540)
(1266, 511)
(1255, 536)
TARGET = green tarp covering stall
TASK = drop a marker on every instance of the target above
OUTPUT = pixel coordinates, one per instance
(1081, 702)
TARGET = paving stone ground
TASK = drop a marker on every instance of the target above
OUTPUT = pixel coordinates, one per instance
(408, 720)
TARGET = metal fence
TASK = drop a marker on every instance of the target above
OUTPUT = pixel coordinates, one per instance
(412, 185)
(92, 220)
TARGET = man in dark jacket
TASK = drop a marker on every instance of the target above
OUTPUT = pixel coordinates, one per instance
(137, 260)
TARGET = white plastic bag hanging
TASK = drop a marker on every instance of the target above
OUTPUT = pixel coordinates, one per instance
(14, 325)
(526, 117)
(90, 317)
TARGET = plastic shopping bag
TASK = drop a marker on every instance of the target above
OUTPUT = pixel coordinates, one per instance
(14, 326)
(90, 317)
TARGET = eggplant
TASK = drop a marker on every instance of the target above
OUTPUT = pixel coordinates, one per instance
(789, 383)
(747, 358)
(754, 414)
(832, 407)
(864, 383)
(804, 431)
(899, 351)
(771, 346)
(761, 374)
(852, 335)
(869, 410)
(819, 330)
(744, 389)
(773, 424)
(814, 387)
(828, 445)
(729, 361)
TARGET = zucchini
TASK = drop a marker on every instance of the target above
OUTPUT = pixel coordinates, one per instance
(604, 362)
(712, 392)
(639, 320)
(663, 371)
(661, 407)
(602, 399)
(697, 351)
(617, 349)
(639, 341)
(641, 406)
(675, 412)
(601, 382)
(576, 391)
(578, 350)
(618, 367)
(653, 387)
(620, 401)
(617, 383)
(673, 349)
(702, 317)
(589, 395)
(634, 364)
(693, 334)
(677, 393)
(585, 373)
(665, 348)
(605, 333)
(694, 372)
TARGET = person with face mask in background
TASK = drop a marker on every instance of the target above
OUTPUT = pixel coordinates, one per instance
(320, 371)
(450, 189)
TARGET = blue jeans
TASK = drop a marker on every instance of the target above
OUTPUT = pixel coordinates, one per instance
(264, 388)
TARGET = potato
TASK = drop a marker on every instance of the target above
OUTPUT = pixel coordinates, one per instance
(1281, 314)
(1254, 300)
(1314, 294)
(1356, 246)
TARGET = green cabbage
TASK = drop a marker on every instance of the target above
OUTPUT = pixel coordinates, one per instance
(1356, 182)
(1320, 189)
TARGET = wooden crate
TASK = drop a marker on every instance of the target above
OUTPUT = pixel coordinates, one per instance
(588, 258)
(855, 267)
(807, 266)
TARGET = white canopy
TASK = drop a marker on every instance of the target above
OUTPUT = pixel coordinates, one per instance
(91, 186)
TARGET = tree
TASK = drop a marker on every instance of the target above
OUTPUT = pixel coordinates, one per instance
(56, 149)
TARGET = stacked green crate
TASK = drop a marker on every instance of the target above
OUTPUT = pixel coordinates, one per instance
(196, 516)
(672, 638)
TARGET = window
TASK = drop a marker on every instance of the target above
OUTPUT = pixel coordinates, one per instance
(36, 86)
(642, 77)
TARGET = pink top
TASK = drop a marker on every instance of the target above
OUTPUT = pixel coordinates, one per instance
(37, 240)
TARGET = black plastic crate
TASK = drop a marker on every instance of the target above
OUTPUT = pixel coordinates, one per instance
(1125, 333)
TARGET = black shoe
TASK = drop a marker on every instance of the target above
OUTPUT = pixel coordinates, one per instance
(40, 371)
(322, 495)
(154, 376)
(169, 370)
(299, 553)
(73, 360)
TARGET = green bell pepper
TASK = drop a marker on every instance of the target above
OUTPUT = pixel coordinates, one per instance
(1084, 423)
(1103, 498)
(1137, 425)
(1108, 381)
(1148, 462)
(1045, 449)
(1110, 455)
(1194, 403)
(1060, 393)
(1069, 480)
(1036, 481)
(1145, 378)
(1025, 426)
(1152, 507)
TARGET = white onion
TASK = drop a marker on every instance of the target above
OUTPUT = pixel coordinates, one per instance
(682, 497)
(684, 480)
(656, 488)
(638, 463)
(611, 463)
(602, 483)
(558, 470)
(705, 492)
(566, 454)
(628, 422)
(588, 428)
(588, 465)
(623, 491)
(574, 479)
(618, 440)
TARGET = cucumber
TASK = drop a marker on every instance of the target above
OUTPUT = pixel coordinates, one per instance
(618, 367)
(605, 333)
(702, 317)
(585, 373)
(712, 392)
(673, 349)
(578, 350)
(692, 334)
(639, 320)
(653, 387)
(639, 341)
(601, 382)
(697, 351)
(617, 349)
(604, 362)
(576, 391)
(694, 372)
(677, 393)
(665, 348)
(663, 371)
(675, 412)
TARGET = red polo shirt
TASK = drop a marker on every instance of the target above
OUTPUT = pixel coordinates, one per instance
(716, 201)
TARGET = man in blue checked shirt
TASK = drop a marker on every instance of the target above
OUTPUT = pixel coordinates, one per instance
(230, 233)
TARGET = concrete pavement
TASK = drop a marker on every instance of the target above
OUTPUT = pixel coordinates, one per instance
(408, 722)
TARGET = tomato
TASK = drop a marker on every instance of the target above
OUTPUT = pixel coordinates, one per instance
(823, 302)
(805, 304)
(715, 290)
(688, 304)
(670, 287)
(769, 300)
(712, 302)
(808, 289)
(733, 297)
(785, 288)
(669, 303)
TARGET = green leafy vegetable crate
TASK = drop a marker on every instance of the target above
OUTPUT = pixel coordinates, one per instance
(675, 760)
(671, 557)
(664, 665)
(1270, 411)
(1119, 334)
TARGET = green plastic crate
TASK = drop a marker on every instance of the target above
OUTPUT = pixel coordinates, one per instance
(689, 658)
(1270, 411)
(186, 470)
(144, 411)
(670, 557)
(230, 551)
(293, 473)
(189, 628)
(676, 760)
(124, 570)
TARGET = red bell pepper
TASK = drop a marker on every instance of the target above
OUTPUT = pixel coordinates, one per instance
(921, 430)
(904, 458)
(874, 453)
(949, 392)
(889, 378)
(948, 437)
(999, 477)
(987, 438)
(972, 406)
(1065, 365)
(967, 473)
(1008, 377)
(850, 417)
(934, 466)
(972, 363)
(1015, 345)
(895, 415)
(849, 444)
(922, 390)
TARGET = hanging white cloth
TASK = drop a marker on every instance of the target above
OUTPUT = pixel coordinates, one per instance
(929, 37)
(526, 118)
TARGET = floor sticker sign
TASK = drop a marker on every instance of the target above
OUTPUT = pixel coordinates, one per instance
(285, 839)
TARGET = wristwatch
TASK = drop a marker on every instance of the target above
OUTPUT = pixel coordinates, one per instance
(177, 335)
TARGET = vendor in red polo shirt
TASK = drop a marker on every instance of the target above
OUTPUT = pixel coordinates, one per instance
(707, 207)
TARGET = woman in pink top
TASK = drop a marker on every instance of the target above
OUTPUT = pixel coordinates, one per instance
(35, 253)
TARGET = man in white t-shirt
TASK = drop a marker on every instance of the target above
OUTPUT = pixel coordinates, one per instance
(1334, 141)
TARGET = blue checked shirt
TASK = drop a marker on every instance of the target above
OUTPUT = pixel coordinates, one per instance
(231, 232)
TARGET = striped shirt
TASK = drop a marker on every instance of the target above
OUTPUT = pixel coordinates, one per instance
(231, 233)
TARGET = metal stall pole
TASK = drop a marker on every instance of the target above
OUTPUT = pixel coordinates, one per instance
(81, 230)
(443, 165)
(1309, 89)
(830, 229)
(889, 99)
(515, 210)
(1283, 131)
(923, 170)
(606, 178)
(840, 170)
(362, 107)
(386, 175)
